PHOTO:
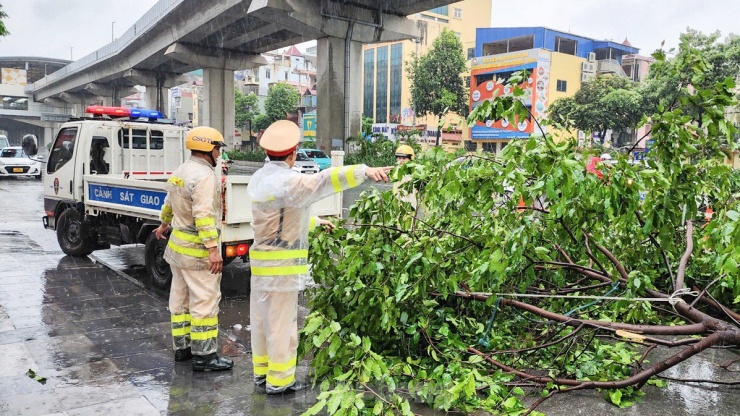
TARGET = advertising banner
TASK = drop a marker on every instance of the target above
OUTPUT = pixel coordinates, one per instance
(488, 78)
(309, 125)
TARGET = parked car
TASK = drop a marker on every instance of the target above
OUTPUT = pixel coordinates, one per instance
(318, 156)
(4, 141)
(302, 164)
(305, 165)
(15, 162)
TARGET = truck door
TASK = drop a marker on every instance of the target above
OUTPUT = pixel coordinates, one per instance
(60, 169)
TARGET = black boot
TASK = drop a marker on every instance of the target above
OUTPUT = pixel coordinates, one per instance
(211, 362)
(296, 386)
(183, 355)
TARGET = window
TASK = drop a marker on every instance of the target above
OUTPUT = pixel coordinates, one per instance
(443, 10)
(562, 86)
(14, 103)
(138, 139)
(267, 74)
(63, 149)
(565, 45)
(381, 91)
(457, 13)
(521, 43)
(286, 76)
(471, 53)
(471, 146)
(14, 153)
(396, 75)
(369, 89)
(489, 147)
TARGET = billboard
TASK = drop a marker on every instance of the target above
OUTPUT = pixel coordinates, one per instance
(489, 75)
(309, 125)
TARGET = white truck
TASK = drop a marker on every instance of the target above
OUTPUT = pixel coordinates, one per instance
(105, 184)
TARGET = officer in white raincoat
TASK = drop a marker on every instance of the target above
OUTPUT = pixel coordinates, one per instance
(281, 199)
(193, 208)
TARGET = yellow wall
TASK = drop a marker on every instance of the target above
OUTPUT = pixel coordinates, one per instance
(475, 14)
(567, 68)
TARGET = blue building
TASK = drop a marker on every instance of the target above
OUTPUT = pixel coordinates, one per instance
(558, 63)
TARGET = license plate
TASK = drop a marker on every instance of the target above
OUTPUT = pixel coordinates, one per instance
(17, 170)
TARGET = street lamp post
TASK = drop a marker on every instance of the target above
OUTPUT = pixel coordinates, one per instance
(112, 31)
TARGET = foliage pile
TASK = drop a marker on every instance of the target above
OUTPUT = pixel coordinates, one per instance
(429, 307)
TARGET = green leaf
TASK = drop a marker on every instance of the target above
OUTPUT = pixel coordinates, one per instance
(616, 397)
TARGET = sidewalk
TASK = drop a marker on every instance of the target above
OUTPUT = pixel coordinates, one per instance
(103, 345)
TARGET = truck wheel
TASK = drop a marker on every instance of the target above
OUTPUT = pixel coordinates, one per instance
(73, 235)
(157, 268)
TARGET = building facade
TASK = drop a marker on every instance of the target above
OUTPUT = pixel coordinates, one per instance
(385, 85)
(558, 62)
(20, 114)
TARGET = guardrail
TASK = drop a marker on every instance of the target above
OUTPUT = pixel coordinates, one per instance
(144, 24)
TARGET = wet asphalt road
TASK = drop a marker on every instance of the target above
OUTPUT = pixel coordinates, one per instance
(101, 339)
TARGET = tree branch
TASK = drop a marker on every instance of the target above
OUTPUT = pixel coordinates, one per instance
(685, 258)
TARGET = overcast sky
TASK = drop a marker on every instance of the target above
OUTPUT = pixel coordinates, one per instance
(49, 28)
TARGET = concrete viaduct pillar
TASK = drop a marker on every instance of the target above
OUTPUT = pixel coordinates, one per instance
(218, 102)
(339, 70)
(218, 82)
(341, 28)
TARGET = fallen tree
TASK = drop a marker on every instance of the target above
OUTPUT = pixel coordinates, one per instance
(571, 281)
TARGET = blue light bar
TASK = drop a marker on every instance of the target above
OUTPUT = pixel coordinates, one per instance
(150, 114)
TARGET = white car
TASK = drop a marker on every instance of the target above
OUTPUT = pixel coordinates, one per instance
(302, 164)
(15, 162)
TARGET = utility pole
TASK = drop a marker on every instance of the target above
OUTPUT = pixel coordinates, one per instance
(112, 31)
(70, 54)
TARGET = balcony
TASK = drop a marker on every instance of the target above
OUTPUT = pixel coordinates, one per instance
(610, 66)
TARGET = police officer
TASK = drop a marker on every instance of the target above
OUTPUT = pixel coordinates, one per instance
(404, 153)
(281, 199)
(192, 207)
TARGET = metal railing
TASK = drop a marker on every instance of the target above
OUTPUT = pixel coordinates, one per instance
(144, 24)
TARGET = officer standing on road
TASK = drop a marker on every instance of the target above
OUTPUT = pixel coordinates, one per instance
(193, 207)
(281, 199)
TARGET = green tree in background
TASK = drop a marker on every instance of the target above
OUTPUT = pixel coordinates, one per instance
(246, 110)
(605, 103)
(3, 16)
(282, 99)
(669, 76)
(436, 78)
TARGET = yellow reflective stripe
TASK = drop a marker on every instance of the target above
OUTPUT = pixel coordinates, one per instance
(279, 270)
(312, 223)
(178, 332)
(260, 371)
(208, 234)
(176, 181)
(335, 179)
(166, 213)
(204, 222)
(260, 359)
(280, 382)
(204, 321)
(269, 198)
(282, 367)
(278, 255)
(202, 336)
(192, 252)
(183, 317)
(191, 238)
(351, 176)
